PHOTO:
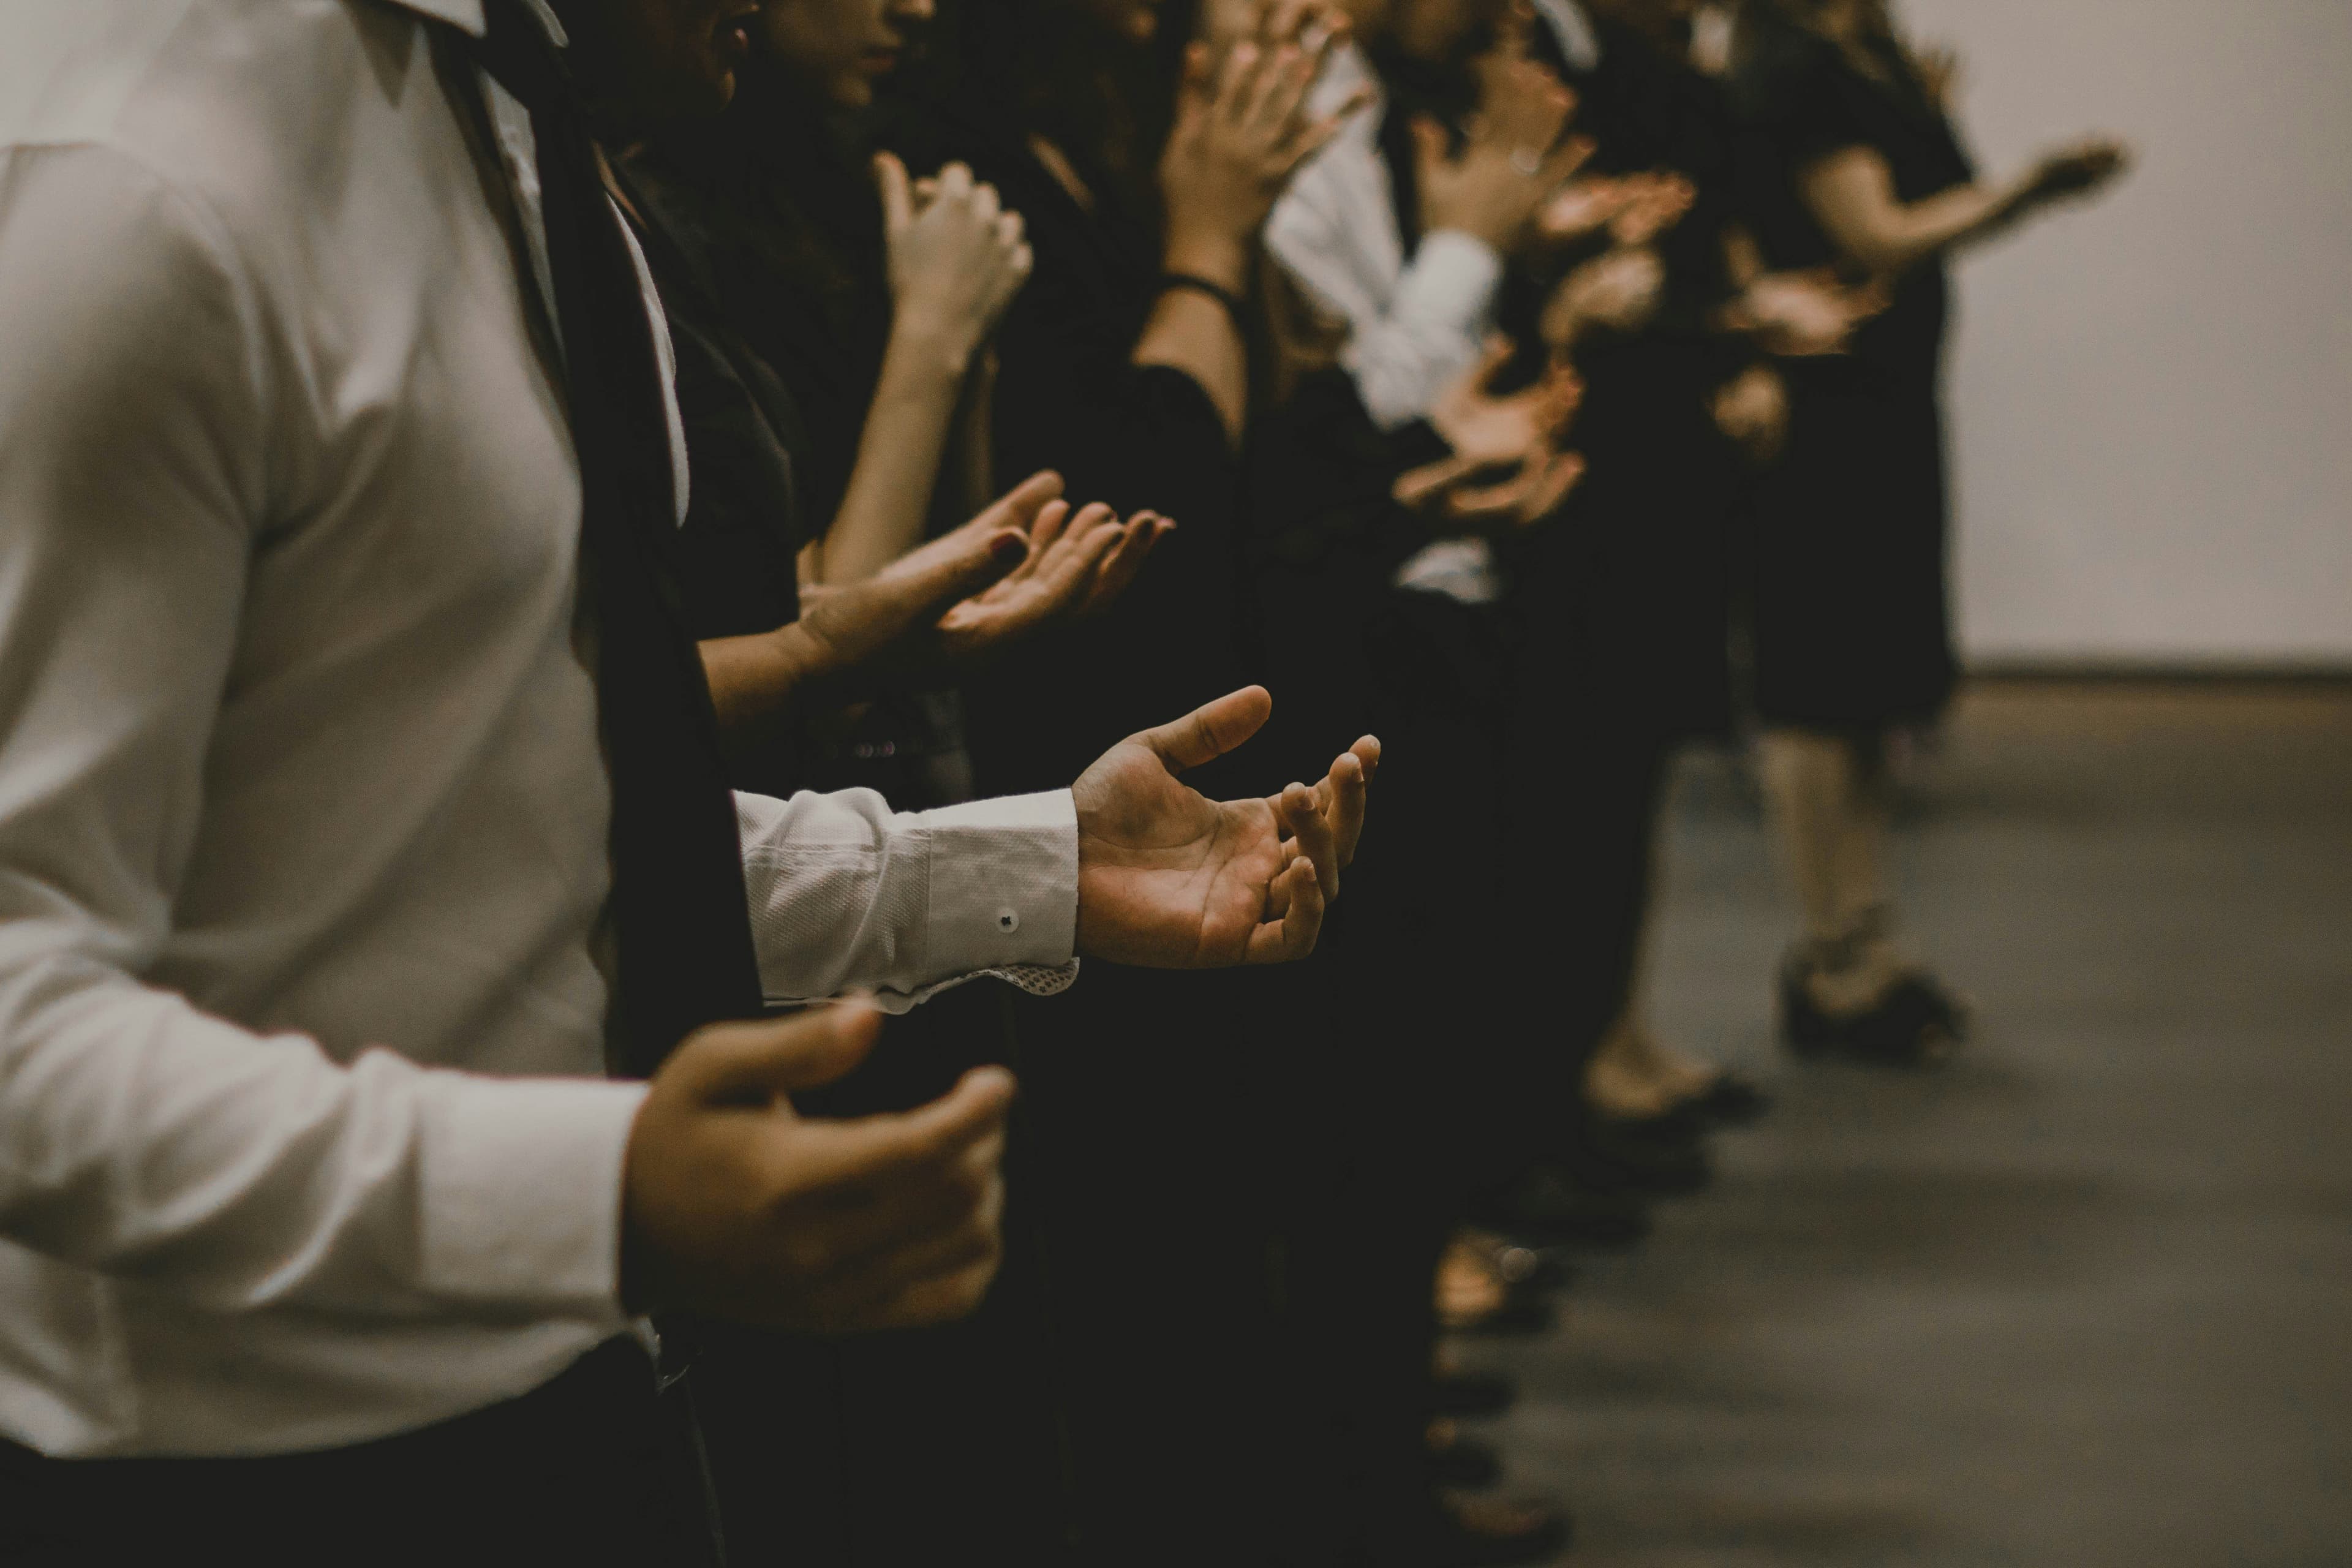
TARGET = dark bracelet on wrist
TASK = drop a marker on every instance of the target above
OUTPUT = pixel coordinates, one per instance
(1193, 283)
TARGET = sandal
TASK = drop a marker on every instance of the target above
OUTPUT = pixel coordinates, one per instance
(1914, 1022)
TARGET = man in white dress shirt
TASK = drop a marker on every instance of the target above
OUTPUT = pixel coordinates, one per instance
(306, 1145)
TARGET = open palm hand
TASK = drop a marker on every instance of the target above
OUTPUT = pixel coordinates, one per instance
(1171, 879)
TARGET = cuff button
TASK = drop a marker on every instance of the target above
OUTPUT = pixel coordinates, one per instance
(1008, 920)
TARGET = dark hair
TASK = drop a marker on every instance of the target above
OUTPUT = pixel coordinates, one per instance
(1763, 24)
(777, 208)
(1063, 70)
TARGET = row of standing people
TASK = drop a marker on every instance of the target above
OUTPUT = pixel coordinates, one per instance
(1471, 365)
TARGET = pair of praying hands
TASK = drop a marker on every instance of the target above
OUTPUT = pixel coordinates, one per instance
(1505, 469)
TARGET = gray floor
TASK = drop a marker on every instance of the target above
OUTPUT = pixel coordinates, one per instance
(2085, 1297)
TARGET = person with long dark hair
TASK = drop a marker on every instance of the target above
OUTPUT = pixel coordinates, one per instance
(1851, 160)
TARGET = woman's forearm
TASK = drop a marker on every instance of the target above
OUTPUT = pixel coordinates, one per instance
(1853, 195)
(884, 513)
(757, 684)
(1191, 331)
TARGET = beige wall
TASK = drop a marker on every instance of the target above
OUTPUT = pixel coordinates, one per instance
(2152, 399)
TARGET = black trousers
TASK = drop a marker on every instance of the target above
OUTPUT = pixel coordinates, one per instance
(591, 1469)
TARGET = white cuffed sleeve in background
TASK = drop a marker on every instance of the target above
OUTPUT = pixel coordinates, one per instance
(1413, 327)
(846, 894)
(139, 1137)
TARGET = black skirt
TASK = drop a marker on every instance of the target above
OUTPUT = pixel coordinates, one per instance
(1850, 619)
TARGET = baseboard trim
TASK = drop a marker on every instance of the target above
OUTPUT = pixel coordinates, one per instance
(2063, 672)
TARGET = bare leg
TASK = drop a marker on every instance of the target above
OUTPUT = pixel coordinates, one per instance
(1633, 1074)
(1809, 781)
(1828, 806)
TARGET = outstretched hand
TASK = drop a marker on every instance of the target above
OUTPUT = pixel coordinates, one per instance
(1076, 565)
(1505, 469)
(735, 1204)
(2081, 169)
(1017, 567)
(1806, 314)
(1171, 879)
(1243, 127)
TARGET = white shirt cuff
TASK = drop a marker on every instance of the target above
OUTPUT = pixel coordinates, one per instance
(521, 1205)
(1003, 883)
(1451, 281)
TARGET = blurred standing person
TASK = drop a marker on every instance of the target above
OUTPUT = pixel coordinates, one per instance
(1394, 246)
(1851, 160)
(1142, 177)
(830, 318)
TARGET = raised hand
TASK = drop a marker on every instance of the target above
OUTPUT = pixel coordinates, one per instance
(1654, 203)
(955, 258)
(1076, 565)
(1485, 428)
(1511, 161)
(1803, 314)
(1171, 879)
(1621, 291)
(1467, 500)
(1581, 208)
(2079, 170)
(1241, 129)
(736, 1205)
(1020, 563)
(1506, 470)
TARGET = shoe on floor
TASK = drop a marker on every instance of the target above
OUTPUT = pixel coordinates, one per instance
(1497, 1532)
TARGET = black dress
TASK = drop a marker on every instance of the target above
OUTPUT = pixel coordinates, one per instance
(1138, 1150)
(1851, 620)
(898, 1448)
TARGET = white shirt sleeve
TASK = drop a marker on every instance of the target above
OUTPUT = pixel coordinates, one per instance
(846, 893)
(1412, 330)
(139, 1136)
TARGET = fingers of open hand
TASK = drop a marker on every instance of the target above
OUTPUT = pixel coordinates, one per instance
(930, 1229)
(1210, 730)
(896, 1220)
(1048, 528)
(1563, 394)
(759, 1063)
(1291, 936)
(1562, 164)
(1273, 91)
(1303, 816)
(943, 1299)
(1345, 796)
(1022, 507)
(898, 200)
(1551, 486)
(1539, 484)
(1416, 487)
(1530, 107)
(1237, 82)
(1092, 535)
(1141, 535)
(874, 1153)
